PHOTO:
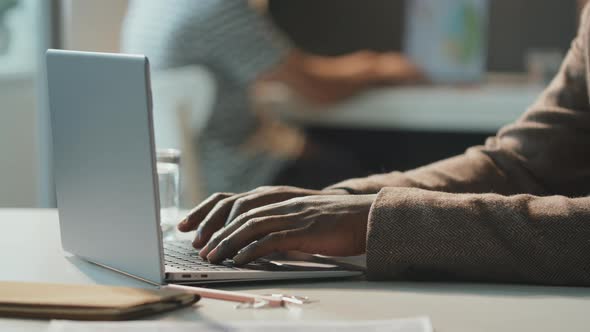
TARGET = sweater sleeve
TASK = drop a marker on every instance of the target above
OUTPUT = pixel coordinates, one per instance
(544, 152)
(425, 235)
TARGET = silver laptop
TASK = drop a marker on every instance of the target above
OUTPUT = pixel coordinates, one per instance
(106, 184)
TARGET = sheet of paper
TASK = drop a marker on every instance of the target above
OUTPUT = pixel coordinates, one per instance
(418, 324)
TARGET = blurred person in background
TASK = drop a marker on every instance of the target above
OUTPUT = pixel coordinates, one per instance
(241, 149)
(513, 210)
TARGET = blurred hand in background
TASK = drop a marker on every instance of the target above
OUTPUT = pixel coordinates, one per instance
(329, 79)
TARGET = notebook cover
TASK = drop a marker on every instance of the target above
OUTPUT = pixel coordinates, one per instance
(86, 302)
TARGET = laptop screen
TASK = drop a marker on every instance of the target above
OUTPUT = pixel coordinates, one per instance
(103, 153)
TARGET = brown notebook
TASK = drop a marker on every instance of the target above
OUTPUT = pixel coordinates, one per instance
(87, 302)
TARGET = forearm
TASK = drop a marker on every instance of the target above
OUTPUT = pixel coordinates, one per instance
(479, 170)
(424, 235)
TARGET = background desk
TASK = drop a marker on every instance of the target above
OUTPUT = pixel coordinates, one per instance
(482, 108)
(30, 251)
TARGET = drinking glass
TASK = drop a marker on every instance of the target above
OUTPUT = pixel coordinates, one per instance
(168, 166)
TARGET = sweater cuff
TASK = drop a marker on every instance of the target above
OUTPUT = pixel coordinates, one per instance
(383, 235)
(416, 234)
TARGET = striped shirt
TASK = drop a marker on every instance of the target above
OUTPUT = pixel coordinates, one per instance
(236, 45)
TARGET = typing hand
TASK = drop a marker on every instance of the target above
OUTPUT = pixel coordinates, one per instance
(334, 225)
(222, 208)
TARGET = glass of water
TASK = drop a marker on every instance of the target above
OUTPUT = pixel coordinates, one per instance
(168, 166)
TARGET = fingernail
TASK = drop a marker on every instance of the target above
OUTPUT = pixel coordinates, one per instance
(238, 258)
(181, 225)
(204, 251)
(212, 254)
(241, 255)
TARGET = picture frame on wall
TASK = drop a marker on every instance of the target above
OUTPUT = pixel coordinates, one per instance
(448, 38)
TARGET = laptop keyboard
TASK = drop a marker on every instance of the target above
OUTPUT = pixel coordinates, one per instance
(181, 255)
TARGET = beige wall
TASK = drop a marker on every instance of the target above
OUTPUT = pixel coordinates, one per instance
(18, 167)
(91, 25)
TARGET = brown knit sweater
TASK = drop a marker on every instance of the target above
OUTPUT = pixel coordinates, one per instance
(513, 210)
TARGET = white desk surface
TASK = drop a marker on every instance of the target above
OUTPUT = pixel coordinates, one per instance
(481, 108)
(30, 251)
